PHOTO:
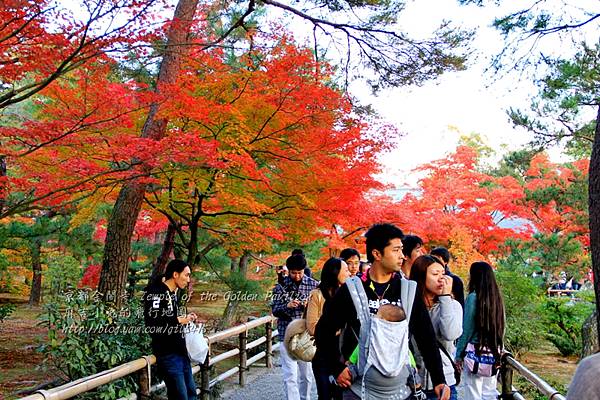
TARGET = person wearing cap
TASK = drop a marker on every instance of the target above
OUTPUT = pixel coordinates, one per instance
(307, 270)
(290, 298)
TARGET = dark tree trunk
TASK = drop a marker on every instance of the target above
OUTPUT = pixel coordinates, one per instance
(167, 248)
(244, 264)
(594, 208)
(589, 336)
(234, 263)
(234, 301)
(2, 173)
(35, 297)
(193, 245)
(117, 249)
(115, 264)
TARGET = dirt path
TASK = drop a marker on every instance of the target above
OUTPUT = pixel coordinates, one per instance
(20, 362)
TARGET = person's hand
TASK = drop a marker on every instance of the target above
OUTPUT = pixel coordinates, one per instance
(459, 365)
(191, 317)
(344, 379)
(294, 303)
(447, 280)
(442, 391)
(187, 319)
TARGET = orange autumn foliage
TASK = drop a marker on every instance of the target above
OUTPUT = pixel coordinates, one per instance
(455, 193)
(263, 150)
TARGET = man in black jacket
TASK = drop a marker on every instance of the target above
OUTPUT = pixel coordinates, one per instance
(382, 284)
(165, 322)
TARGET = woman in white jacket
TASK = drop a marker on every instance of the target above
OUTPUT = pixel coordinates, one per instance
(435, 287)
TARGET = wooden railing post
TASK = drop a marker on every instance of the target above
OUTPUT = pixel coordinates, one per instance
(269, 350)
(144, 380)
(205, 377)
(243, 357)
(506, 377)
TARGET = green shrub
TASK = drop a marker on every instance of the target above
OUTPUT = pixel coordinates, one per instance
(85, 336)
(564, 319)
(6, 278)
(6, 310)
(64, 272)
(522, 302)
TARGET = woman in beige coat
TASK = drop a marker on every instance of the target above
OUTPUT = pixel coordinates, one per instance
(333, 275)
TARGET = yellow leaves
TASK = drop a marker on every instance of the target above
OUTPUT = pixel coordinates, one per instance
(86, 210)
(17, 219)
(463, 251)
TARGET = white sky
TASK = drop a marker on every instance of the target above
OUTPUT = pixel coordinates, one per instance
(434, 116)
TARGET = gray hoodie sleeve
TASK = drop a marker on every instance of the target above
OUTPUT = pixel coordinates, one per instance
(449, 320)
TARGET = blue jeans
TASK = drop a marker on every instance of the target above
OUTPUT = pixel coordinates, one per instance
(176, 371)
(432, 396)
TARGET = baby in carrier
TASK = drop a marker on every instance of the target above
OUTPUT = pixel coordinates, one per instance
(382, 369)
(387, 312)
(391, 313)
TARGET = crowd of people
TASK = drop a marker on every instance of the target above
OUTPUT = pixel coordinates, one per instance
(396, 327)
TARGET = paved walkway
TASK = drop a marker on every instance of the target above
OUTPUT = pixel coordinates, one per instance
(261, 383)
(266, 384)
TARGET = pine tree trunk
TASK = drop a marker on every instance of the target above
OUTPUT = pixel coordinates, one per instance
(589, 336)
(2, 173)
(167, 248)
(117, 247)
(594, 213)
(35, 296)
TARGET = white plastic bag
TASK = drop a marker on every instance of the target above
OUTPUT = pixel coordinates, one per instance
(195, 342)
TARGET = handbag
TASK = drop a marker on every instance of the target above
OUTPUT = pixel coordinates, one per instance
(298, 342)
(457, 371)
(195, 342)
(300, 345)
(482, 364)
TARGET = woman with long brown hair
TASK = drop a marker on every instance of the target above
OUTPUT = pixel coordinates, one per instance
(483, 333)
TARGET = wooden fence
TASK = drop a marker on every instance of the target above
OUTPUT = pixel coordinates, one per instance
(141, 366)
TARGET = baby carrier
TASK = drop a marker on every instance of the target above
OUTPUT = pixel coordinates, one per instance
(383, 345)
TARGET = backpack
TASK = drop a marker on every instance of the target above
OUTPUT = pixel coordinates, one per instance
(382, 344)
